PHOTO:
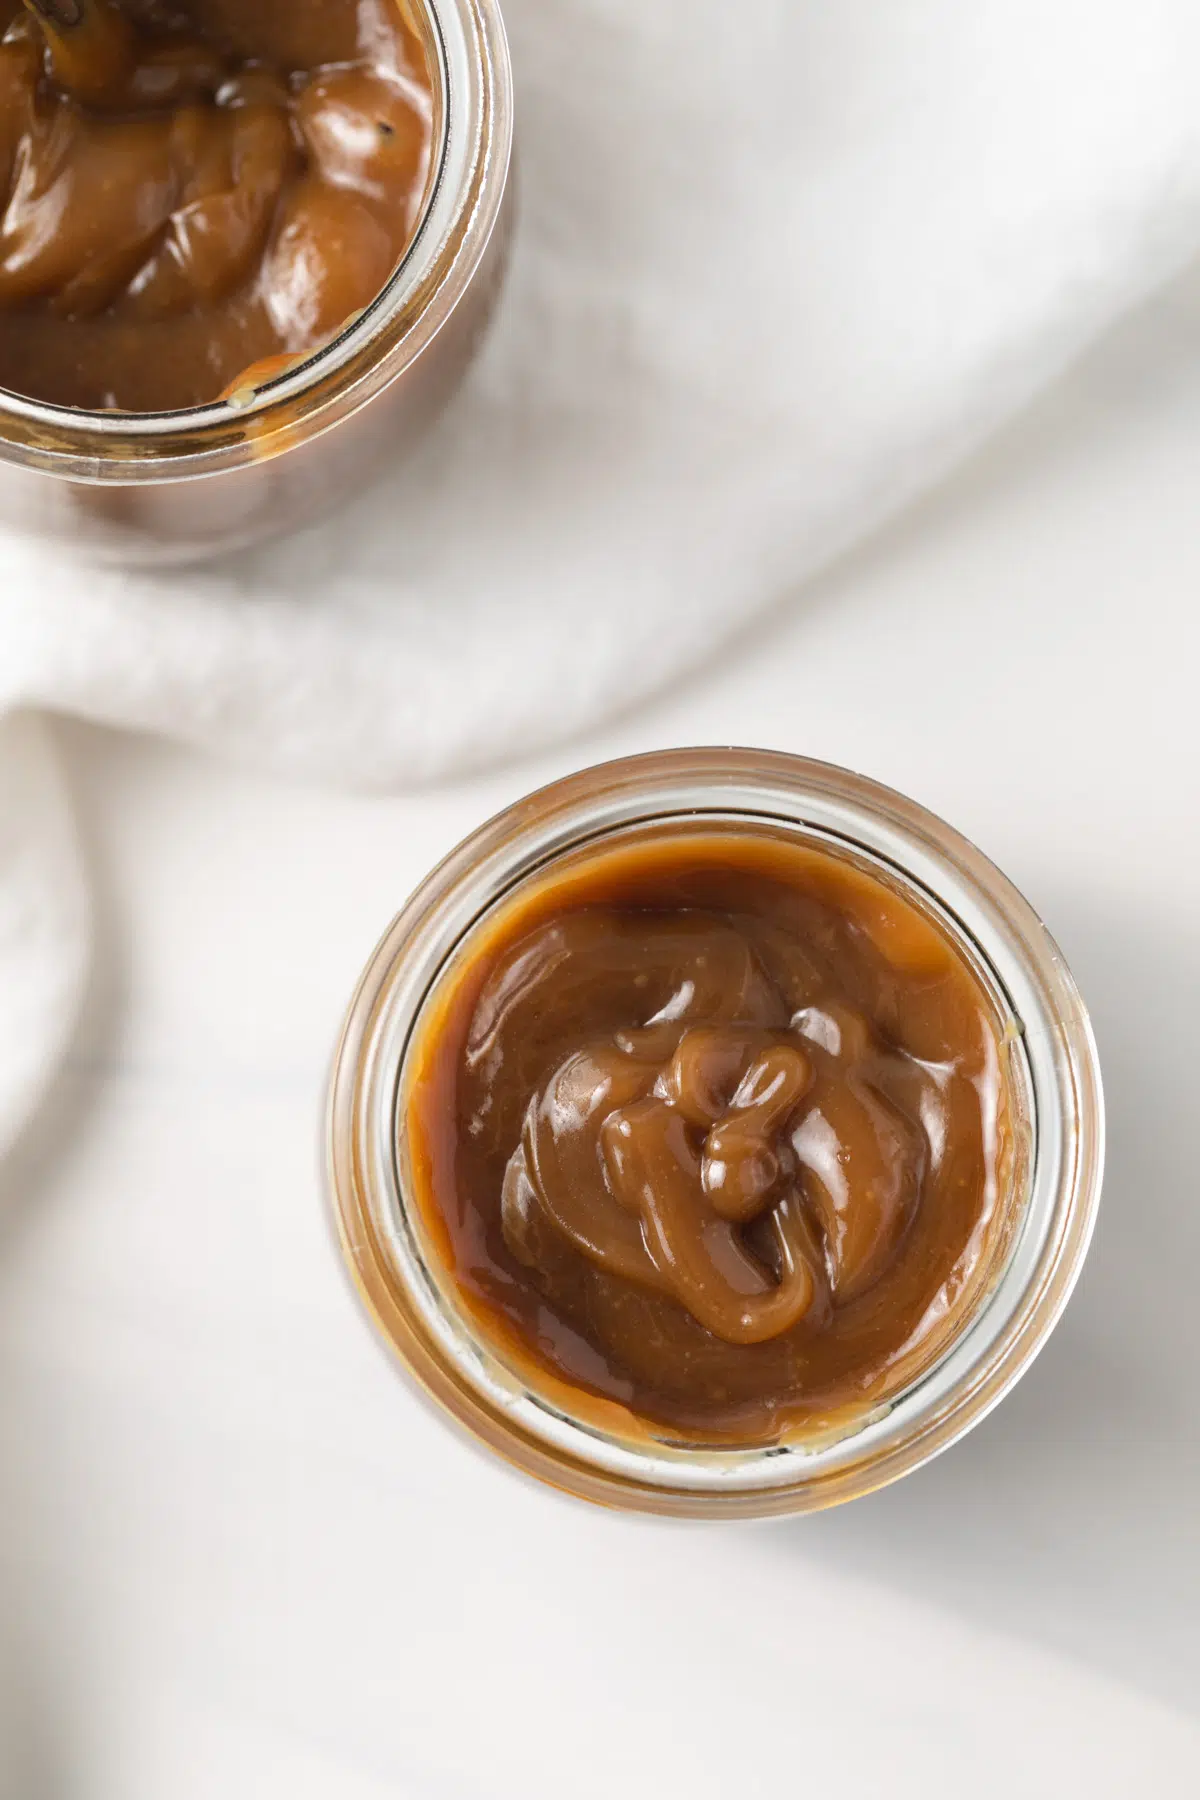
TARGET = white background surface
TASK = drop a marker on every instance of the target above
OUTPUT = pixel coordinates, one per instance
(238, 1558)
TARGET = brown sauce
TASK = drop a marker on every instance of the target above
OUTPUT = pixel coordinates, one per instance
(191, 190)
(713, 1127)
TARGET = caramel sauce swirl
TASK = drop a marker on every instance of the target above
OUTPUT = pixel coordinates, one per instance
(716, 1129)
(191, 191)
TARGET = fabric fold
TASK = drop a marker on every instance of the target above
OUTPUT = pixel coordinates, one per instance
(44, 919)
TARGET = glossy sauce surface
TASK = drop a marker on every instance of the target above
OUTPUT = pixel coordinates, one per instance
(715, 1128)
(191, 191)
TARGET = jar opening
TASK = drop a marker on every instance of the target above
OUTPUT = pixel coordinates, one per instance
(898, 1223)
(466, 54)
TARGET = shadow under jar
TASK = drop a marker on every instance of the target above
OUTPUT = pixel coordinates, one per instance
(716, 1133)
(247, 252)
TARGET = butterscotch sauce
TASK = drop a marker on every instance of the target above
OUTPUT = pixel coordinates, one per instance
(193, 190)
(713, 1127)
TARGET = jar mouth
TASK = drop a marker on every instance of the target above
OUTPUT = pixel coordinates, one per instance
(1053, 1071)
(472, 144)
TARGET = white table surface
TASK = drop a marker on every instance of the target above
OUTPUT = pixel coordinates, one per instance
(238, 1559)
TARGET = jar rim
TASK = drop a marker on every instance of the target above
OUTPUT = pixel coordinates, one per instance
(473, 149)
(452, 1361)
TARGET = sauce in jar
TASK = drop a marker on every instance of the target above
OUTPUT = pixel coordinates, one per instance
(193, 193)
(713, 1126)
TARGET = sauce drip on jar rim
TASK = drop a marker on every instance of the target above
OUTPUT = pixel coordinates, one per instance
(201, 193)
(712, 1126)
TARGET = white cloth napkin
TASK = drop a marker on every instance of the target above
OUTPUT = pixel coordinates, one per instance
(780, 263)
(44, 919)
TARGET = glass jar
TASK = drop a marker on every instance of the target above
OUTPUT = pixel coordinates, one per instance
(177, 486)
(1052, 1074)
